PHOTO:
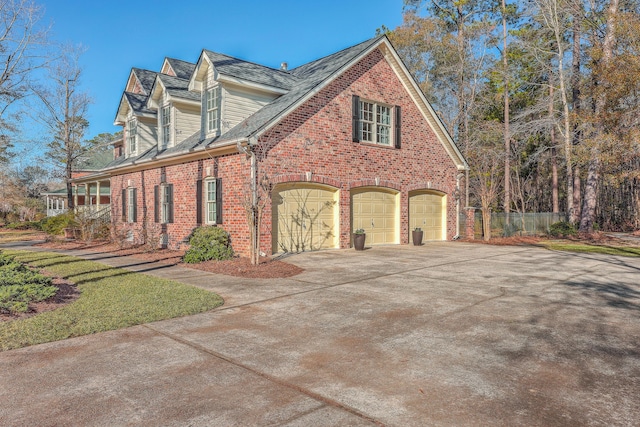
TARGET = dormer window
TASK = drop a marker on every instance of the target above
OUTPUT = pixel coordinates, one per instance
(165, 123)
(132, 130)
(213, 109)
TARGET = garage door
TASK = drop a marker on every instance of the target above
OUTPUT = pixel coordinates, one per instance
(427, 210)
(305, 217)
(376, 212)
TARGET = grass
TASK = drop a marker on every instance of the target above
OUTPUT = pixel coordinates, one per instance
(18, 235)
(111, 298)
(629, 251)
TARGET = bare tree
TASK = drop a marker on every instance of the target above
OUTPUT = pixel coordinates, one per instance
(66, 108)
(21, 43)
(553, 16)
(590, 191)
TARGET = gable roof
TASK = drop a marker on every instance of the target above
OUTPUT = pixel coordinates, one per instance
(182, 69)
(174, 87)
(298, 85)
(145, 78)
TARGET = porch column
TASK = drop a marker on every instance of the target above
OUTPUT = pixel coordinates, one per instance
(98, 195)
(48, 206)
(75, 196)
(87, 195)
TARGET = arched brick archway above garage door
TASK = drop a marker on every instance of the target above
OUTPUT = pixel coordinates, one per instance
(304, 217)
(376, 210)
(428, 211)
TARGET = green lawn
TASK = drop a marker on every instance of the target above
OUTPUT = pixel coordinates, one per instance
(111, 298)
(630, 251)
(18, 235)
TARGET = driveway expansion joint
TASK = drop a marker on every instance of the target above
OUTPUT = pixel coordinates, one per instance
(271, 378)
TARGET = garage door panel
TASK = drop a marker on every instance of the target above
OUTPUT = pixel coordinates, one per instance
(304, 218)
(426, 211)
(375, 212)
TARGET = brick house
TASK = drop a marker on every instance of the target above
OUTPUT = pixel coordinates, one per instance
(344, 142)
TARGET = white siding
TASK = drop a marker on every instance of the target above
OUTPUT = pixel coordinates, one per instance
(239, 103)
(147, 134)
(186, 121)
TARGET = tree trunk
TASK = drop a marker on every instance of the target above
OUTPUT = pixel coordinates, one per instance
(554, 181)
(507, 136)
(554, 154)
(591, 189)
(574, 215)
(486, 223)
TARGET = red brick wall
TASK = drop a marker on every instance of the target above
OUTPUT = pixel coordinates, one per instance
(316, 138)
(233, 170)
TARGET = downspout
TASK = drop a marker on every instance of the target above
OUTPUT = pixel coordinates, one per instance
(457, 193)
(255, 250)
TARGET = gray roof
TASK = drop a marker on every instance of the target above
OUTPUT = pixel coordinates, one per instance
(138, 103)
(178, 87)
(299, 82)
(146, 78)
(94, 161)
(183, 69)
(234, 67)
(309, 76)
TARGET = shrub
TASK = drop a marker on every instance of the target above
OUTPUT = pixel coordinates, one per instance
(55, 224)
(208, 243)
(26, 225)
(562, 229)
(19, 286)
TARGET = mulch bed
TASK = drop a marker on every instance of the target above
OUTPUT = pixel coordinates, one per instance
(67, 293)
(597, 238)
(239, 267)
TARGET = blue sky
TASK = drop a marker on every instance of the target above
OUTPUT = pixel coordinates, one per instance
(122, 34)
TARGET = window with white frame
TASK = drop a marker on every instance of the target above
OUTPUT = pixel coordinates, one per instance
(166, 202)
(132, 130)
(213, 108)
(165, 121)
(210, 201)
(131, 205)
(375, 123)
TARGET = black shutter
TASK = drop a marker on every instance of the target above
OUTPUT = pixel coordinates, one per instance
(355, 118)
(397, 125)
(124, 205)
(169, 190)
(156, 203)
(135, 204)
(218, 200)
(199, 202)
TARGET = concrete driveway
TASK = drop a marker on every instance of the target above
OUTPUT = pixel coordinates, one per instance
(443, 334)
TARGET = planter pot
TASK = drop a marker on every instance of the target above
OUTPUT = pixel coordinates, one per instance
(358, 241)
(69, 233)
(417, 237)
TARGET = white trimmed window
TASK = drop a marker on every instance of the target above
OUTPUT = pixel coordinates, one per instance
(131, 205)
(375, 123)
(213, 109)
(165, 121)
(165, 202)
(132, 130)
(210, 201)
